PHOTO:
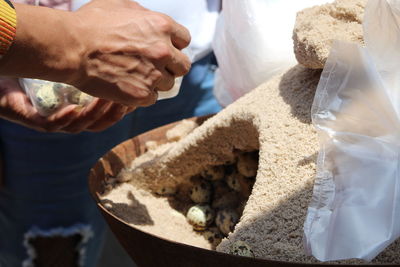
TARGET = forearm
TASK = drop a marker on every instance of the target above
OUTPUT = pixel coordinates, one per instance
(45, 46)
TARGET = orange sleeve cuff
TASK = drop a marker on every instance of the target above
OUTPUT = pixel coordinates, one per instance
(8, 23)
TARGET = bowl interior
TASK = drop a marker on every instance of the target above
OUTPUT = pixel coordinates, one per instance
(147, 249)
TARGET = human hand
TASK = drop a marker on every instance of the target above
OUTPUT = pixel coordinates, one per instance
(97, 116)
(112, 49)
(133, 46)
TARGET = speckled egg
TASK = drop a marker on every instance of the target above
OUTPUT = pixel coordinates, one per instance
(79, 98)
(213, 173)
(47, 99)
(166, 190)
(200, 216)
(226, 220)
(213, 235)
(233, 180)
(228, 200)
(241, 248)
(201, 192)
(247, 164)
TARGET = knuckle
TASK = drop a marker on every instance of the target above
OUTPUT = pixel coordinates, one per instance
(162, 51)
(186, 67)
(155, 76)
(152, 80)
(163, 23)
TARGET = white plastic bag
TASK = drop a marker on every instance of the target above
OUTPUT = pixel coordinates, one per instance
(253, 42)
(355, 211)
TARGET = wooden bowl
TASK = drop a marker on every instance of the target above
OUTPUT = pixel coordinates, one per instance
(149, 250)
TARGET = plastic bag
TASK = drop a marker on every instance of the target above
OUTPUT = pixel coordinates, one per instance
(253, 42)
(48, 97)
(355, 211)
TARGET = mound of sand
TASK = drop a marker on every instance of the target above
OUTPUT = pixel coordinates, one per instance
(317, 27)
(274, 118)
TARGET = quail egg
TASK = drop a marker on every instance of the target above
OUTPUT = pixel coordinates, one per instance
(79, 98)
(213, 173)
(241, 248)
(201, 192)
(247, 164)
(165, 190)
(233, 180)
(226, 220)
(200, 216)
(213, 235)
(47, 99)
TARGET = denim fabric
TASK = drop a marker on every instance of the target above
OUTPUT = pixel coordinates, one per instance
(45, 174)
(45, 184)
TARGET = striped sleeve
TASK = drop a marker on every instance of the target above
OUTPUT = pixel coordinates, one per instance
(8, 22)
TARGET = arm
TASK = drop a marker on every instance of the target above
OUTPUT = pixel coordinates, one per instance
(112, 49)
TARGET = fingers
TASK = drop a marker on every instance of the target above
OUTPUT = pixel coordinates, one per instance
(139, 57)
(179, 65)
(166, 52)
(61, 119)
(180, 36)
(114, 114)
(166, 82)
(97, 116)
(142, 96)
(87, 115)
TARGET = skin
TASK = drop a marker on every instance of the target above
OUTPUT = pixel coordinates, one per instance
(115, 50)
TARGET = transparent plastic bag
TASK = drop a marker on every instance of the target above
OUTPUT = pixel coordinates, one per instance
(253, 42)
(48, 97)
(355, 210)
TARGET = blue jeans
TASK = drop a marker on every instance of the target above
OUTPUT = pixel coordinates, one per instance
(45, 190)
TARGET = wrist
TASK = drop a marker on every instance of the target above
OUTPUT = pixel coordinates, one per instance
(8, 23)
(46, 46)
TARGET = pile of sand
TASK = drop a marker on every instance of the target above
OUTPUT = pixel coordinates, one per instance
(274, 119)
(317, 27)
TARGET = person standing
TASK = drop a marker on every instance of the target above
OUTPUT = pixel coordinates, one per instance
(47, 217)
(45, 192)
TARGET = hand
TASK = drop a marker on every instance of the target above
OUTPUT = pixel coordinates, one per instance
(131, 49)
(97, 116)
(112, 49)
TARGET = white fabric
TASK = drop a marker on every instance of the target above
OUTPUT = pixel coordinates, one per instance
(199, 16)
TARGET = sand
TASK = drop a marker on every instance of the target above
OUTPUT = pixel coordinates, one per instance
(340, 20)
(274, 118)
(159, 216)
